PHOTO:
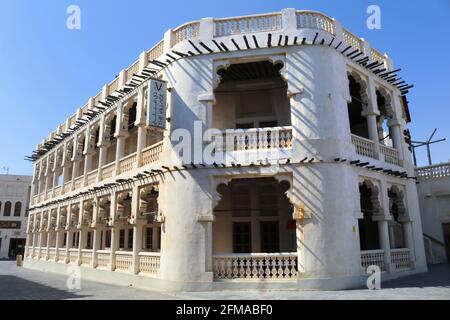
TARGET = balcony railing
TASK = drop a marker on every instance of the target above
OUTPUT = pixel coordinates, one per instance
(151, 153)
(186, 31)
(390, 155)
(400, 258)
(78, 182)
(274, 266)
(103, 259)
(248, 24)
(314, 20)
(124, 260)
(254, 139)
(73, 256)
(126, 163)
(108, 170)
(43, 254)
(149, 263)
(92, 177)
(373, 257)
(62, 255)
(86, 257)
(57, 191)
(67, 186)
(435, 171)
(364, 147)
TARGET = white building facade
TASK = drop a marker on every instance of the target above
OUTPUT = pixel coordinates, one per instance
(14, 200)
(296, 186)
(434, 198)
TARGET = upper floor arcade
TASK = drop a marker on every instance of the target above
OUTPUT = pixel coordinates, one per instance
(249, 105)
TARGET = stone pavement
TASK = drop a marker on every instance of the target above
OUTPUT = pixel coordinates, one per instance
(21, 283)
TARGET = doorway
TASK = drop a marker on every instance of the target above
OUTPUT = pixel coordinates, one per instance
(16, 247)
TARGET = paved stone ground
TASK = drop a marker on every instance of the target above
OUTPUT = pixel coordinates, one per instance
(21, 283)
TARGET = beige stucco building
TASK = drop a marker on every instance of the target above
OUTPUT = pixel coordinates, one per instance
(14, 200)
(297, 186)
(434, 198)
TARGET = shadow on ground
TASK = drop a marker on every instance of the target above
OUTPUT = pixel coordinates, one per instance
(437, 276)
(15, 288)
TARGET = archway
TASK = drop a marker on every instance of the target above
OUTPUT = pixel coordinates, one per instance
(368, 228)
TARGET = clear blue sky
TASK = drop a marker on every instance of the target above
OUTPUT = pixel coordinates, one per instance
(47, 70)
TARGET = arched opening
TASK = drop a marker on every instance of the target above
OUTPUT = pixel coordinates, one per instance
(17, 209)
(7, 210)
(251, 95)
(131, 139)
(358, 123)
(397, 211)
(383, 103)
(254, 235)
(368, 229)
(110, 130)
(254, 216)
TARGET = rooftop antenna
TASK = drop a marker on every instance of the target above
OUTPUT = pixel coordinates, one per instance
(417, 144)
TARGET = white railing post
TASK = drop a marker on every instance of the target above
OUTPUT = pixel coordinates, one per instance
(289, 20)
(206, 32)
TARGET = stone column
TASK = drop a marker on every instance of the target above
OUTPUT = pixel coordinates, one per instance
(206, 221)
(87, 152)
(408, 233)
(371, 112)
(373, 131)
(140, 123)
(103, 147)
(82, 242)
(69, 239)
(120, 135)
(96, 245)
(383, 232)
(396, 135)
(115, 234)
(383, 217)
(40, 233)
(137, 244)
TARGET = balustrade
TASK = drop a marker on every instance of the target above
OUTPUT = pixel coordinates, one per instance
(276, 266)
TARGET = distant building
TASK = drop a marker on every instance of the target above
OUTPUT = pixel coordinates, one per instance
(434, 199)
(14, 200)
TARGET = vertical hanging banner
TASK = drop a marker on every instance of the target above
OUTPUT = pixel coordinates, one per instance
(156, 115)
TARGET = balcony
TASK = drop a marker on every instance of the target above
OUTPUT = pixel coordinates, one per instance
(366, 148)
(260, 143)
(270, 266)
(435, 171)
(150, 155)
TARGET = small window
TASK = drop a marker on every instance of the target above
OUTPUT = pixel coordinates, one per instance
(0, 207)
(242, 237)
(7, 211)
(17, 209)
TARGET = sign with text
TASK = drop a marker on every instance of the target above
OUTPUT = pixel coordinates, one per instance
(156, 115)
